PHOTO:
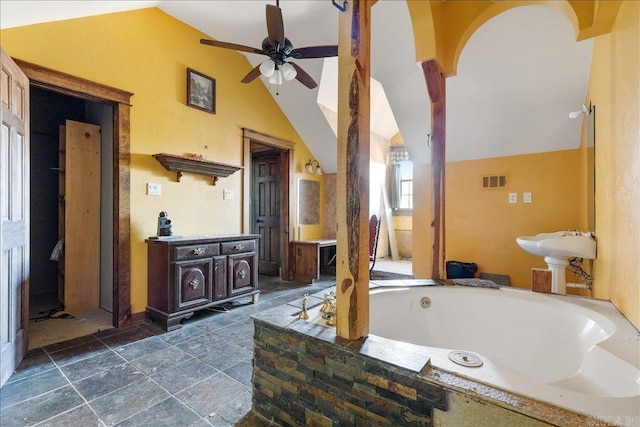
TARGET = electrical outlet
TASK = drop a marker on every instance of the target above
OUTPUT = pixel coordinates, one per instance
(513, 197)
(153, 189)
(227, 194)
(526, 197)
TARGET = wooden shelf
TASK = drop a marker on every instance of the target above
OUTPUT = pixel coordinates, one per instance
(195, 164)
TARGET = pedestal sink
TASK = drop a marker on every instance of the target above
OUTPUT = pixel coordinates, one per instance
(557, 248)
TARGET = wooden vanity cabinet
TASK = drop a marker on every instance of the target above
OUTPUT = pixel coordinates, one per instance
(186, 274)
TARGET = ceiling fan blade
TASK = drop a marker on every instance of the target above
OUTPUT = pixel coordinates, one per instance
(303, 77)
(275, 26)
(252, 75)
(233, 46)
(315, 52)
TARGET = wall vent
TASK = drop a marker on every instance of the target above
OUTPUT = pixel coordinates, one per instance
(494, 181)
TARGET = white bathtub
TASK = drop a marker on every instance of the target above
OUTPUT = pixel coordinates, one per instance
(577, 353)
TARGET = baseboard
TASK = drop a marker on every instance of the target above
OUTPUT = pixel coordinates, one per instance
(138, 317)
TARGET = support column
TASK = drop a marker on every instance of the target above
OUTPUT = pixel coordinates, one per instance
(352, 210)
(436, 86)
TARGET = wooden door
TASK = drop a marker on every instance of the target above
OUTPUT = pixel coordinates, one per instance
(81, 216)
(267, 190)
(14, 217)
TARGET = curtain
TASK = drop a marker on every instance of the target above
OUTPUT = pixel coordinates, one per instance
(394, 193)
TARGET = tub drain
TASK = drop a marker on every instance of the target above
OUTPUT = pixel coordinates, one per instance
(465, 359)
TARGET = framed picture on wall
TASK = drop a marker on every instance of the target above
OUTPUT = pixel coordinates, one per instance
(201, 91)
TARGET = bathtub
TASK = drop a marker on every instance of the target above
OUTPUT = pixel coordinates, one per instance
(577, 353)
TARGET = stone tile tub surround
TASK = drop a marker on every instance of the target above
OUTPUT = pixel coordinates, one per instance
(305, 375)
(283, 378)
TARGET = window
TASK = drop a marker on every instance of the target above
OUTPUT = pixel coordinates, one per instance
(402, 185)
(406, 185)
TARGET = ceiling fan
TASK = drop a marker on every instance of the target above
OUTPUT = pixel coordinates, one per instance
(279, 48)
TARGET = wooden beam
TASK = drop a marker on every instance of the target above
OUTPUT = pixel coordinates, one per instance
(436, 86)
(352, 210)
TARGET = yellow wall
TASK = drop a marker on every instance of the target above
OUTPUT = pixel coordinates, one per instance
(422, 235)
(614, 88)
(403, 226)
(147, 52)
(481, 225)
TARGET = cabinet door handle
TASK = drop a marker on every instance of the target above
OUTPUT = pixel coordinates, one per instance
(242, 274)
(198, 251)
(194, 283)
(239, 247)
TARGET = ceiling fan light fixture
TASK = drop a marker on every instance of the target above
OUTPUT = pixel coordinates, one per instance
(278, 48)
(267, 68)
(276, 78)
(288, 71)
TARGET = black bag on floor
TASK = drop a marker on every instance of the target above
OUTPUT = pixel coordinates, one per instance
(461, 270)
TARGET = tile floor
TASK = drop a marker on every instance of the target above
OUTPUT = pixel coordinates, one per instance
(199, 375)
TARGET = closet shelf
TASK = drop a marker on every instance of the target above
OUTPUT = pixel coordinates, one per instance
(195, 164)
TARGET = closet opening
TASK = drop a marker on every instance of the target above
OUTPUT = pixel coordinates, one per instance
(71, 195)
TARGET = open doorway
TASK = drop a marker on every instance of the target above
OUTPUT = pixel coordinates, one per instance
(65, 301)
(120, 103)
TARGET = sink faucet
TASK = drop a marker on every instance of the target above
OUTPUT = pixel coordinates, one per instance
(572, 232)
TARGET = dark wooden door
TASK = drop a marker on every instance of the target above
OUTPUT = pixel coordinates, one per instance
(267, 190)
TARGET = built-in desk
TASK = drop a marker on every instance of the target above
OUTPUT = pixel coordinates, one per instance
(312, 258)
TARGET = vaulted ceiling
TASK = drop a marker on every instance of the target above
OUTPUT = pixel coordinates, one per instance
(518, 77)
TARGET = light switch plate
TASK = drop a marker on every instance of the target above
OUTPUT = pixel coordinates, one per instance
(153, 189)
(526, 197)
(227, 194)
(513, 197)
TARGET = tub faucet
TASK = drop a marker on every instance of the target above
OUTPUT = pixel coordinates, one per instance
(329, 297)
(331, 316)
(328, 308)
(303, 314)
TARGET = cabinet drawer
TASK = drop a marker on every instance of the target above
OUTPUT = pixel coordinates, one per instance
(196, 251)
(229, 248)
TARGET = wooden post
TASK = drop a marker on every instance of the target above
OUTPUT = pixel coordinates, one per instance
(436, 86)
(352, 210)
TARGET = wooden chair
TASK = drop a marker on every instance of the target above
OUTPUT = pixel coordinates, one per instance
(374, 231)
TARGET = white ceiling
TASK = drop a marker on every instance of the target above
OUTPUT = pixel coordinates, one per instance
(518, 77)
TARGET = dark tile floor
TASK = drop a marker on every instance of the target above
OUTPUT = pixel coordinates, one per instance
(199, 375)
